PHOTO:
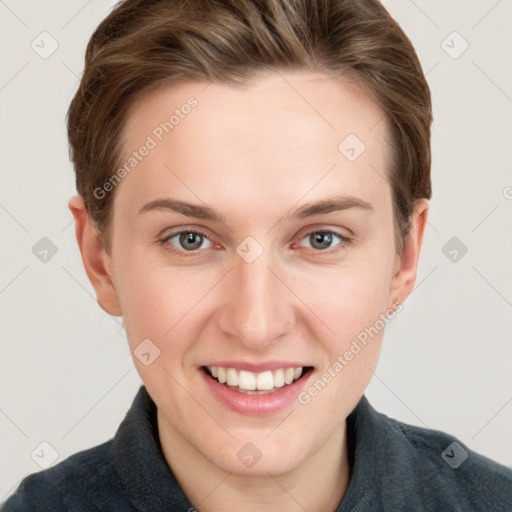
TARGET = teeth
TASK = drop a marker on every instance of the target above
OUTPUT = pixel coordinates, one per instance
(221, 375)
(255, 383)
(232, 377)
(246, 380)
(279, 378)
(265, 381)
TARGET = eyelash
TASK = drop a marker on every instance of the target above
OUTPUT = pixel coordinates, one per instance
(187, 254)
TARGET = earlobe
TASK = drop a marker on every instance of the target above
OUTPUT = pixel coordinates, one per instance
(404, 278)
(97, 262)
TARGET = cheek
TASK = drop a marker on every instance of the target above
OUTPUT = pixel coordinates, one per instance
(352, 304)
(350, 298)
(164, 304)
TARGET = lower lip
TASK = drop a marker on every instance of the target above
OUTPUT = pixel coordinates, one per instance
(255, 405)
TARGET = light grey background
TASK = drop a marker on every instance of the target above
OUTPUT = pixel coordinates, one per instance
(66, 376)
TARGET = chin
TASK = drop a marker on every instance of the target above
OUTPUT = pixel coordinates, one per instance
(258, 455)
(275, 465)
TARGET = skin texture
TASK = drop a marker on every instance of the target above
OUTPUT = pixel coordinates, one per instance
(254, 154)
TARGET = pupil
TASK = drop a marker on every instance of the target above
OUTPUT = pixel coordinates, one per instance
(188, 238)
(324, 240)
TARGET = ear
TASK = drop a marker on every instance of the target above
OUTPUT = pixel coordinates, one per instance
(406, 266)
(97, 263)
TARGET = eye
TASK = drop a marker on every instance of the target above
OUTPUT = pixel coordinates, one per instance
(323, 240)
(190, 241)
(186, 241)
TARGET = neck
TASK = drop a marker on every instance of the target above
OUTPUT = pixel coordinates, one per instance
(316, 484)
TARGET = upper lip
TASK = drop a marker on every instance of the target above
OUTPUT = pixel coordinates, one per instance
(257, 367)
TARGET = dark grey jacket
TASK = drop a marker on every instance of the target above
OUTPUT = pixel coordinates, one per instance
(395, 468)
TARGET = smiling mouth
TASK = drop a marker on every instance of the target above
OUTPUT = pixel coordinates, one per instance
(252, 383)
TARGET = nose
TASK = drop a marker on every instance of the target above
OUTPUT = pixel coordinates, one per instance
(257, 306)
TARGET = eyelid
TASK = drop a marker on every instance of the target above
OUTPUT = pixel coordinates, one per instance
(341, 234)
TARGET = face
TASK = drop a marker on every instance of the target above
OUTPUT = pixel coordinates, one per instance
(254, 241)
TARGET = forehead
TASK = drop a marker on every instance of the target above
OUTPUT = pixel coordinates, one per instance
(282, 134)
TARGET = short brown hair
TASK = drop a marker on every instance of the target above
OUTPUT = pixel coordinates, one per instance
(145, 44)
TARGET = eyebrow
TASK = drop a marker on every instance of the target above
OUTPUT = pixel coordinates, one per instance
(332, 204)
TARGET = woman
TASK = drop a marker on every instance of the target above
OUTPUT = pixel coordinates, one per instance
(253, 184)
